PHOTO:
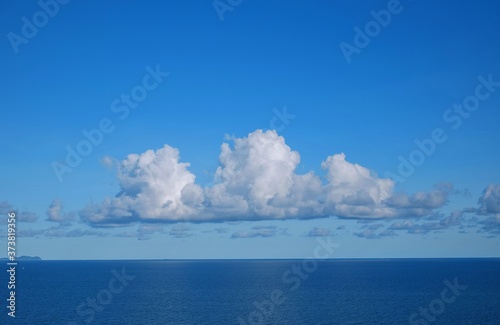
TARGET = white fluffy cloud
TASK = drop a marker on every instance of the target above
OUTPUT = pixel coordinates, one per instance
(256, 180)
(154, 186)
(353, 191)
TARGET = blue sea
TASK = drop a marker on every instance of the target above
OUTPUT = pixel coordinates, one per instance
(364, 291)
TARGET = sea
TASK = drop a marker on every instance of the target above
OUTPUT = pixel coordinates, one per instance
(317, 292)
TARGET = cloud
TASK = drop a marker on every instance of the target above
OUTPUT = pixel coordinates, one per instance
(368, 234)
(143, 232)
(491, 225)
(127, 234)
(257, 231)
(319, 232)
(107, 161)
(30, 232)
(454, 219)
(59, 231)
(489, 202)
(420, 203)
(354, 191)
(372, 226)
(180, 231)
(55, 213)
(81, 233)
(387, 233)
(371, 232)
(489, 205)
(256, 180)
(154, 186)
(22, 216)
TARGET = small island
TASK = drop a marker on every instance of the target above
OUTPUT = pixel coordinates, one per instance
(23, 258)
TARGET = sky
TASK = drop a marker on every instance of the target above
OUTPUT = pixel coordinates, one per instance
(250, 129)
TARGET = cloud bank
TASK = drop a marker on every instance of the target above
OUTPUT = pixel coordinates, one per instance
(256, 180)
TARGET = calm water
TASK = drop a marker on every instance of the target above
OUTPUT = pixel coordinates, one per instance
(256, 292)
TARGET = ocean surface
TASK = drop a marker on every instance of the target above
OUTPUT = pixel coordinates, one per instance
(394, 291)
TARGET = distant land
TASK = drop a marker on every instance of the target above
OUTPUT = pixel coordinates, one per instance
(23, 258)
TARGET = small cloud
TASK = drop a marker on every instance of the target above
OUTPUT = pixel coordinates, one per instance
(454, 219)
(180, 231)
(489, 202)
(145, 231)
(26, 216)
(127, 234)
(107, 161)
(489, 206)
(257, 231)
(55, 213)
(30, 232)
(387, 233)
(81, 233)
(373, 226)
(491, 225)
(372, 233)
(319, 232)
(368, 234)
(55, 232)
(21, 216)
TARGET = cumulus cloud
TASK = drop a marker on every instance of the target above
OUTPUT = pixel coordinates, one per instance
(55, 213)
(154, 186)
(256, 180)
(354, 191)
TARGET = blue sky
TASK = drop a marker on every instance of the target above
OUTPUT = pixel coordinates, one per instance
(287, 137)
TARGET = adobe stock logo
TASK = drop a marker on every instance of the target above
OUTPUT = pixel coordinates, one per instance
(454, 117)
(280, 120)
(372, 29)
(104, 297)
(29, 29)
(294, 276)
(221, 6)
(437, 306)
(121, 106)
